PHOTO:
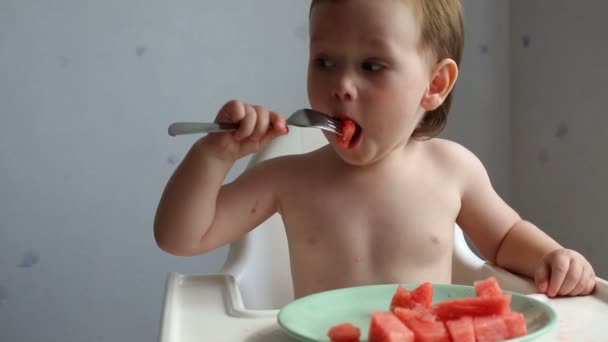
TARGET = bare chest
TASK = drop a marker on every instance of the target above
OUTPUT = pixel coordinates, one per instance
(399, 218)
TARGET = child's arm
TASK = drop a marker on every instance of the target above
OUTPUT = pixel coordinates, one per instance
(503, 238)
(197, 213)
(560, 271)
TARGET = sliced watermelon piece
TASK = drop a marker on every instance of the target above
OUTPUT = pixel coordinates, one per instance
(420, 296)
(490, 328)
(476, 306)
(427, 330)
(516, 324)
(461, 329)
(412, 316)
(386, 327)
(423, 294)
(348, 130)
(420, 312)
(345, 332)
(401, 298)
(488, 288)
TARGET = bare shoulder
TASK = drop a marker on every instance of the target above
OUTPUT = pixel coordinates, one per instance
(455, 158)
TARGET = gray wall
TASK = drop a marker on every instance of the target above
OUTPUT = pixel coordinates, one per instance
(481, 119)
(88, 88)
(559, 77)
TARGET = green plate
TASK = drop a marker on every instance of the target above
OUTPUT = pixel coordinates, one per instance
(309, 318)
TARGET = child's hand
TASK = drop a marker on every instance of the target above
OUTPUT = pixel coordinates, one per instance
(565, 272)
(257, 127)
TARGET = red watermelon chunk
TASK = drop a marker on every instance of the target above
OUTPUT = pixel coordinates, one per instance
(476, 306)
(345, 332)
(427, 330)
(404, 313)
(461, 329)
(401, 298)
(386, 327)
(490, 328)
(423, 294)
(418, 312)
(488, 288)
(516, 324)
(420, 296)
(348, 130)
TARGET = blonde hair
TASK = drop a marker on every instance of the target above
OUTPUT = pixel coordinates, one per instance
(442, 34)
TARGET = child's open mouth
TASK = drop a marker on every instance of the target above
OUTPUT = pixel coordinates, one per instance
(351, 134)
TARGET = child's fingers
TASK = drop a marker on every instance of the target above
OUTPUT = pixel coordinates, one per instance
(559, 269)
(271, 135)
(572, 278)
(277, 128)
(262, 122)
(541, 278)
(279, 125)
(232, 111)
(582, 284)
(247, 124)
(591, 283)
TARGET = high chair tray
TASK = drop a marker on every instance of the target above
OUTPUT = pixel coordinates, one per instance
(210, 308)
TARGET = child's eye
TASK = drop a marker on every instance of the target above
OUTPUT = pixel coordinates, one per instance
(372, 66)
(323, 63)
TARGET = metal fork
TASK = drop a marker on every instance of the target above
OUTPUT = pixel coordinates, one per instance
(302, 118)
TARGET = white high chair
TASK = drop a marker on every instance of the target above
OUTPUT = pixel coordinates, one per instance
(241, 302)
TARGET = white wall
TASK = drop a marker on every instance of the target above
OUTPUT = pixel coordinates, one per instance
(559, 77)
(87, 91)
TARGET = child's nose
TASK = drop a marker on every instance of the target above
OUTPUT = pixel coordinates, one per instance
(345, 89)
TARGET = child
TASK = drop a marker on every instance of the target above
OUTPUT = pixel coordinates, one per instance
(380, 208)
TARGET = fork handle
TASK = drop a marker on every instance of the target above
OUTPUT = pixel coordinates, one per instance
(180, 128)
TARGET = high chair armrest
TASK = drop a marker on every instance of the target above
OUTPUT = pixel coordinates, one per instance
(210, 308)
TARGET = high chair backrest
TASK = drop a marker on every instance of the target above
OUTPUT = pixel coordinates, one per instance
(259, 261)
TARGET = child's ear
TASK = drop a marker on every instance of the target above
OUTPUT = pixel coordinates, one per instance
(443, 78)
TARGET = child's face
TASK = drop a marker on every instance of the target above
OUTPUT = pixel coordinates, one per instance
(366, 64)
